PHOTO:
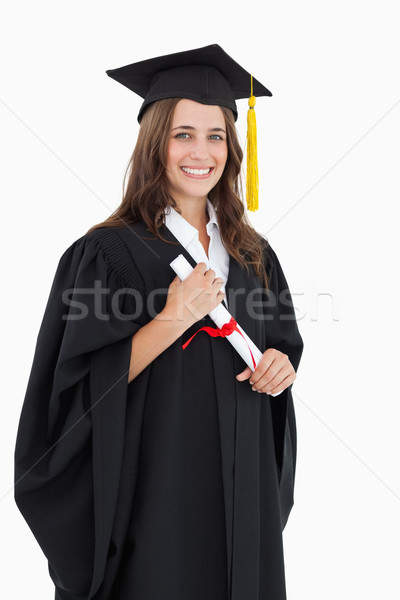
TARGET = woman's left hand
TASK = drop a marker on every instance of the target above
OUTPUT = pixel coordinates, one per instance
(274, 373)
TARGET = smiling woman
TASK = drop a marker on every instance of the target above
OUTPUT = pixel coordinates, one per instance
(173, 131)
(149, 177)
(148, 469)
(196, 156)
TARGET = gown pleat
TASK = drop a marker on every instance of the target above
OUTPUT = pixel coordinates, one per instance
(176, 540)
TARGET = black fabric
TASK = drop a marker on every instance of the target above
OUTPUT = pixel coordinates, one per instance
(208, 75)
(178, 484)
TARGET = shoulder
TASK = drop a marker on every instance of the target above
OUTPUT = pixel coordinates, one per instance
(270, 258)
(116, 238)
(104, 239)
(108, 239)
(106, 244)
(268, 254)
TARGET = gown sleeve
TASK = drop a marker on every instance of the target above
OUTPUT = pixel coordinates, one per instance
(85, 312)
(282, 333)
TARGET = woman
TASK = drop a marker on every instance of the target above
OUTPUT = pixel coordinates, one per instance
(144, 469)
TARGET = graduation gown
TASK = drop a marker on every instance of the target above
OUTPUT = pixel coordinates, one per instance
(177, 485)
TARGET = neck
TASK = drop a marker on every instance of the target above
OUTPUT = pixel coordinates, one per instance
(195, 213)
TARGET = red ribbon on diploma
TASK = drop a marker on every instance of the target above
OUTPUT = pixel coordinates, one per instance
(226, 329)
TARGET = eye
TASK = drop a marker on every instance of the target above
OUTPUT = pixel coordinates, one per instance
(182, 136)
(217, 137)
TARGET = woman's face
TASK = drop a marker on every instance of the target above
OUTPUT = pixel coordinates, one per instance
(197, 150)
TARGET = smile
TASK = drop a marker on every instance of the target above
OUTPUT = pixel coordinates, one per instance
(197, 172)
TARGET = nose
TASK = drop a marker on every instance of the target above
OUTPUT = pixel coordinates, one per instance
(198, 150)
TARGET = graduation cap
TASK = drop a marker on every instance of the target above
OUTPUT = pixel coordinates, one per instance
(207, 75)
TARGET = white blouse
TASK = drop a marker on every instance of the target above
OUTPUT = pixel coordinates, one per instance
(188, 236)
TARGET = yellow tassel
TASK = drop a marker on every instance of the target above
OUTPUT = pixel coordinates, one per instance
(252, 165)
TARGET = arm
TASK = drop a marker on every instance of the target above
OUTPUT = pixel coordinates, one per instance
(151, 340)
(187, 302)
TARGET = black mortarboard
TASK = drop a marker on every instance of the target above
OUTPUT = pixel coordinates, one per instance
(207, 75)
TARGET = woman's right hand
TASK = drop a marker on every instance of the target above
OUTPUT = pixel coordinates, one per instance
(190, 300)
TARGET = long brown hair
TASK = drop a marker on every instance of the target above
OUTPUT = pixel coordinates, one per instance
(146, 195)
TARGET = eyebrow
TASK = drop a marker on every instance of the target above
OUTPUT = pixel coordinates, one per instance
(192, 128)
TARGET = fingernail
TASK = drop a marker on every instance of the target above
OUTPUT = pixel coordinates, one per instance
(253, 388)
(251, 382)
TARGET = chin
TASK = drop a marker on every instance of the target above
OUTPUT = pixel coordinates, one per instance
(193, 191)
(200, 194)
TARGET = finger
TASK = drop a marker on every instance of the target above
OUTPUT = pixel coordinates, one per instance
(210, 274)
(281, 386)
(268, 358)
(273, 376)
(220, 297)
(244, 374)
(201, 267)
(261, 368)
(176, 280)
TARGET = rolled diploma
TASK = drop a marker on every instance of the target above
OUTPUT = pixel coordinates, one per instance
(220, 315)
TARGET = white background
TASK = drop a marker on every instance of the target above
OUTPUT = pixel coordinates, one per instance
(329, 181)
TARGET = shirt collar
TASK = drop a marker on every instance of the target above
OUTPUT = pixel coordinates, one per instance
(184, 231)
(212, 214)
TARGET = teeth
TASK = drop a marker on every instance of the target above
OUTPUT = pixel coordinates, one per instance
(196, 171)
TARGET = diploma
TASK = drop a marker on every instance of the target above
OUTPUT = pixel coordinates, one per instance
(239, 339)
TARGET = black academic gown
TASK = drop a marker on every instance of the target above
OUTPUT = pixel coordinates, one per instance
(177, 485)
